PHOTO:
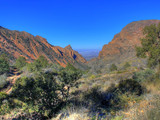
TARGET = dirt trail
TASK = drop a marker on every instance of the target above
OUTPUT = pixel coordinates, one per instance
(15, 75)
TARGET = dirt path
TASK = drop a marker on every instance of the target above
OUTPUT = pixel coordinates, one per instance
(15, 75)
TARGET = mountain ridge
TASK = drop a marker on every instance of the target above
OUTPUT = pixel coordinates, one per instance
(20, 43)
(122, 46)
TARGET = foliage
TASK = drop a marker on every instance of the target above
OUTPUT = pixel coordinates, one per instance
(44, 92)
(127, 65)
(130, 86)
(4, 64)
(70, 67)
(68, 79)
(38, 64)
(119, 96)
(150, 45)
(144, 75)
(40, 91)
(113, 67)
(2, 97)
(3, 80)
(20, 62)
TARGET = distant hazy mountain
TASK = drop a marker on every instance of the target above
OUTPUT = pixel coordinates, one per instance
(88, 54)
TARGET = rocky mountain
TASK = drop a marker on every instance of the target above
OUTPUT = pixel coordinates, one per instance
(15, 43)
(122, 46)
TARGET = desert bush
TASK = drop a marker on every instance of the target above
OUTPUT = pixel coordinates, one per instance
(117, 96)
(113, 67)
(4, 64)
(144, 75)
(20, 62)
(2, 97)
(5, 108)
(3, 80)
(130, 86)
(126, 65)
(45, 92)
(38, 64)
(40, 91)
(68, 79)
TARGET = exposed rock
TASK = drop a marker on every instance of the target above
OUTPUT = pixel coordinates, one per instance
(122, 46)
(15, 44)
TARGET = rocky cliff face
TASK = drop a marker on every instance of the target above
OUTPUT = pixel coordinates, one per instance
(126, 40)
(122, 46)
(15, 44)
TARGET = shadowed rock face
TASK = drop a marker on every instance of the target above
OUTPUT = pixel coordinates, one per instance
(122, 46)
(15, 44)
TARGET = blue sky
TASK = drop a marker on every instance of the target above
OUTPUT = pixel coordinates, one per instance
(84, 24)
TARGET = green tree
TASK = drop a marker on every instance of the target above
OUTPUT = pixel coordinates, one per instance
(68, 79)
(150, 45)
(113, 67)
(41, 91)
(38, 64)
(4, 64)
(20, 62)
(44, 91)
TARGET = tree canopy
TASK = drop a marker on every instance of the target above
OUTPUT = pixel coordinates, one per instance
(4, 64)
(20, 62)
(150, 45)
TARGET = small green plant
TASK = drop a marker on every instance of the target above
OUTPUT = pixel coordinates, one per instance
(118, 118)
(4, 64)
(144, 75)
(113, 67)
(38, 64)
(3, 80)
(20, 62)
(126, 65)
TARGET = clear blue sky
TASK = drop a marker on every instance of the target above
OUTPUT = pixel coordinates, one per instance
(80, 23)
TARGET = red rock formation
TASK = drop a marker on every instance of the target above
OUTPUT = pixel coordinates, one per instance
(122, 47)
(126, 40)
(15, 44)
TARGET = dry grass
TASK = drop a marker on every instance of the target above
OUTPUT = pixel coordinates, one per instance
(73, 114)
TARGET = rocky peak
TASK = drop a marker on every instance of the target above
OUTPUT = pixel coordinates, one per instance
(15, 44)
(68, 47)
(122, 47)
(127, 39)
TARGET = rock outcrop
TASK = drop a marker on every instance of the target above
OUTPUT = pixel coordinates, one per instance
(122, 46)
(15, 44)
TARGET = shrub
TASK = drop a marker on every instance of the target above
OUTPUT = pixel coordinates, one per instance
(38, 64)
(4, 64)
(3, 81)
(68, 79)
(113, 67)
(20, 62)
(127, 65)
(2, 97)
(143, 76)
(45, 92)
(117, 97)
(40, 91)
(130, 86)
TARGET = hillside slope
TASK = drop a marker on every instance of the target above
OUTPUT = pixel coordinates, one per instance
(15, 44)
(122, 46)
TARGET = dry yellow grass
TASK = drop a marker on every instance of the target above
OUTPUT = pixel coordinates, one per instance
(74, 114)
